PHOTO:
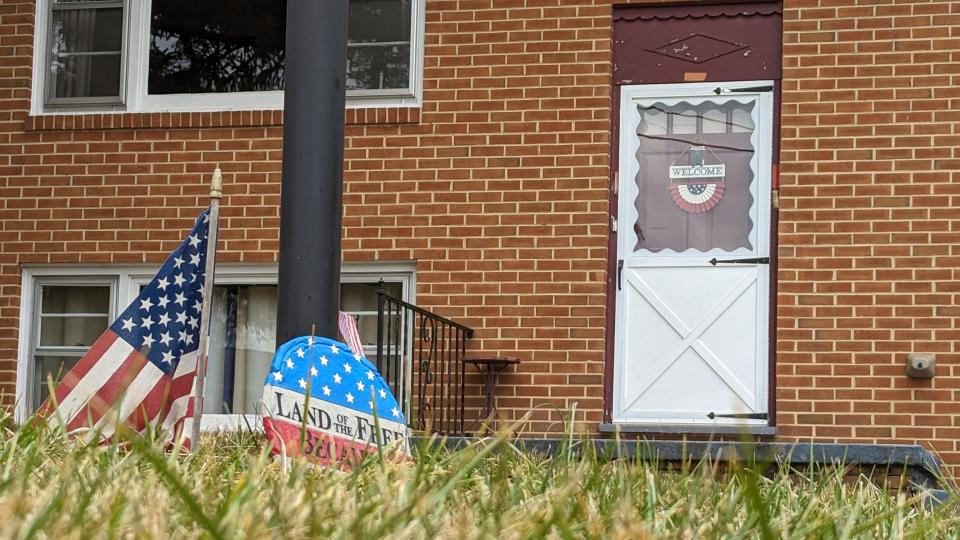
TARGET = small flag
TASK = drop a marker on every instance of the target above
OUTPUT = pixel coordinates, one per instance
(349, 412)
(351, 336)
(141, 371)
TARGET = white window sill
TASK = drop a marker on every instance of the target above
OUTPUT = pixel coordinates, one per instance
(222, 102)
(87, 120)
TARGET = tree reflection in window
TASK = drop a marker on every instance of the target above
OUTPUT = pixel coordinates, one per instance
(238, 45)
(216, 46)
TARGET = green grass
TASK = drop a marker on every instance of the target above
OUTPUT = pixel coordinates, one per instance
(54, 487)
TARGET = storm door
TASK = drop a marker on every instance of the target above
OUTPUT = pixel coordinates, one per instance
(693, 279)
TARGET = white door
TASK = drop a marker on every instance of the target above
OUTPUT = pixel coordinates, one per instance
(693, 254)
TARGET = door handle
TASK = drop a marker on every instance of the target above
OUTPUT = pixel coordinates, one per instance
(755, 260)
(619, 272)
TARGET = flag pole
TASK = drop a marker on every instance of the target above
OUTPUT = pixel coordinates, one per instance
(216, 192)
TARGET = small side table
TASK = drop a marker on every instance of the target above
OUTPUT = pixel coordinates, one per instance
(490, 367)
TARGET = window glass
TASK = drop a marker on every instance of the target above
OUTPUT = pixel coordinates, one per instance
(683, 121)
(742, 121)
(50, 368)
(243, 339)
(60, 299)
(238, 45)
(694, 182)
(71, 331)
(242, 342)
(85, 51)
(714, 121)
(378, 49)
(360, 300)
(70, 319)
(216, 46)
(653, 122)
(72, 315)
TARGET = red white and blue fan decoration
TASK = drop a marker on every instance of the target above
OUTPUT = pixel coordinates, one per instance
(698, 187)
(346, 392)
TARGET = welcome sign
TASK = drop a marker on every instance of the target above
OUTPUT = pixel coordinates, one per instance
(349, 410)
(690, 172)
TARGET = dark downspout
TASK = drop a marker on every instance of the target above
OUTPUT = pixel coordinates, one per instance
(312, 189)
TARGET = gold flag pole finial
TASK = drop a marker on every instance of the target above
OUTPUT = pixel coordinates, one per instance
(216, 184)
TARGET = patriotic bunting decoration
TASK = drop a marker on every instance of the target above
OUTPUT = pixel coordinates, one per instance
(141, 372)
(346, 405)
(696, 198)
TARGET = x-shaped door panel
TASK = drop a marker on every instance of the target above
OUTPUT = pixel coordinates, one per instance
(690, 335)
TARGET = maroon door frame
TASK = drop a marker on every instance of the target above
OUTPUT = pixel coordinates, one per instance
(674, 73)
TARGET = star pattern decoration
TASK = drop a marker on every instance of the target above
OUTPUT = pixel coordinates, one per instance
(346, 384)
(163, 322)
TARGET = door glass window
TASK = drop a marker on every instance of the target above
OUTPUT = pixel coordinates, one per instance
(695, 176)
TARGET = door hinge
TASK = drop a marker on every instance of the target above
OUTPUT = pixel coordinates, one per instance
(613, 223)
(619, 273)
(616, 183)
(745, 416)
(750, 89)
(775, 198)
(755, 260)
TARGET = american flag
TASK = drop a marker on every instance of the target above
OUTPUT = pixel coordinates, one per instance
(142, 370)
(351, 336)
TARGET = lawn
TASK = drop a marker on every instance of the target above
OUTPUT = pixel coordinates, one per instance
(58, 488)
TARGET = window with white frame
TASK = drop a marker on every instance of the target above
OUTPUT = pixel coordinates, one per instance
(68, 313)
(154, 55)
(85, 52)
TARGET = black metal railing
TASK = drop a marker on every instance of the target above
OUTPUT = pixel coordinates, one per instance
(420, 354)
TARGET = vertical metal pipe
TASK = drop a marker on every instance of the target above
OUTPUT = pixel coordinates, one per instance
(380, 318)
(405, 360)
(458, 365)
(311, 190)
(463, 380)
(399, 352)
(435, 372)
(391, 340)
(445, 392)
(424, 373)
(230, 352)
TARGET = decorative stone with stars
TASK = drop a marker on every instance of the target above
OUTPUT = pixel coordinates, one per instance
(347, 402)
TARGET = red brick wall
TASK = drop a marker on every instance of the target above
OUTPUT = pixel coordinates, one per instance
(870, 231)
(497, 187)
